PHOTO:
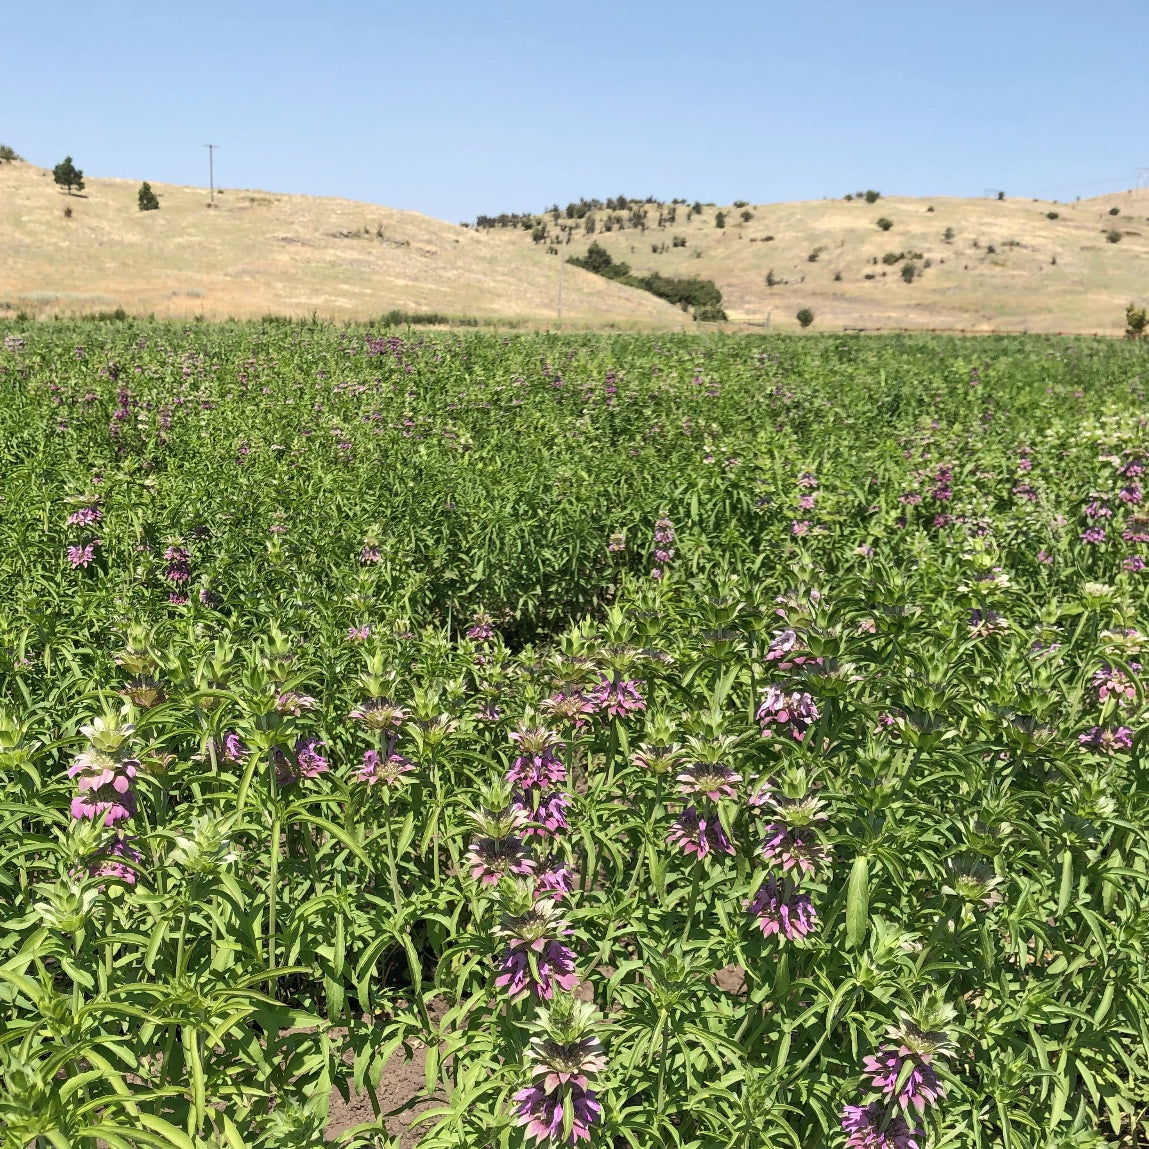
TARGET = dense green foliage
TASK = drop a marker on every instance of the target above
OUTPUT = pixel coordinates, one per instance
(148, 200)
(296, 606)
(68, 176)
(701, 294)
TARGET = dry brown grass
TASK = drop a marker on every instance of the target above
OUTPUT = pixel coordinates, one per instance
(258, 253)
(1016, 287)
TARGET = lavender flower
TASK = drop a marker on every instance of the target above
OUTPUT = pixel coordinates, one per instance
(781, 908)
(537, 764)
(712, 779)
(792, 713)
(535, 962)
(1109, 682)
(233, 748)
(1109, 740)
(699, 835)
(481, 628)
(387, 768)
(82, 556)
(617, 697)
(872, 1127)
(921, 1086)
(104, 774)
(543, 1113)
(546, 813)
(311, 762)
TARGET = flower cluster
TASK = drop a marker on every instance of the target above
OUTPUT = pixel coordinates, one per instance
(559, 1106)
(793, 850)
(104, 773)
(903, 1077)
(790, 713)
(177, 573)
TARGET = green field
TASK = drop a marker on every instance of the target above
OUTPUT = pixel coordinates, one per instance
(664, 740)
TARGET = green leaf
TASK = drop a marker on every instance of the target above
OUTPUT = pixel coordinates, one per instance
(858, 902)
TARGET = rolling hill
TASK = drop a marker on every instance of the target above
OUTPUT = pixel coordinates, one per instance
(977, 264)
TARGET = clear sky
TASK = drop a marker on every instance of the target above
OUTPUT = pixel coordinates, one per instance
(456, 107)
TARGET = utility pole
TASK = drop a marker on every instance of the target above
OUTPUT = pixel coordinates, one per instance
(211, 171)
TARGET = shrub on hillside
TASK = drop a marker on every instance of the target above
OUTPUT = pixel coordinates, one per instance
(909, 271)
(148, 200)
(1113, 236)
(720, 219)
(1053, 215)
(68, 176)
(892, 257)
(805, 317)
(871, 196)
(8, 155)
(1136, 320)
(885, 224)
(747, 216)
(1114, 211)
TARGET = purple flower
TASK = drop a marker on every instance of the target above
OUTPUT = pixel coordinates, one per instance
(872, 1127)
(793, 848)
(85, 516)
(178, 568)
(368, 556)
(782, 909)
(387, 768)
(291, 702)
(109, 861)
(921, 1087)
(545, 813)
(542, 1113)
(311, 762)
(81, 556)
(553, 966)
(1093, 535)
(553, 880)
(104, 784)
(481, 628)
(792, 713)
(617, 697)
(379, 714)
(489, 858)
(1134, 564)
(233, 748)
(358, 633)
(699, 835)
(1110, 741)
(536, 764)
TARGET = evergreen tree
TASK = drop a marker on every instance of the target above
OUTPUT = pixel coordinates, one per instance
(67, 175)
(149, 201)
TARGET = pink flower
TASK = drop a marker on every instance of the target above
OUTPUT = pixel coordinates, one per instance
(617, 697)
(358, 633)
(792, 713)
(782, 909)
(1110, 741)
(104, 784)
(708, 778)
(699, 835)
(387, 768)
(490, 858)
(921, 1087)
(542, 1113)
(793, 848)
(545, 813)
(311, 762)
(233, 748)
(871, 1127)
(553, 966)
(82, 556)
(110, 861)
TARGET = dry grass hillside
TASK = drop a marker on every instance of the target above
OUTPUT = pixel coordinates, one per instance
(978, 264)
(257, 253)
(1005, 265)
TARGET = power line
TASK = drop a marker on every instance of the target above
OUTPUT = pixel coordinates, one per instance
(211, 171)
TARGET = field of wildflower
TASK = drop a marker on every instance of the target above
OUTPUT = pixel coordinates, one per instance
(668, 740)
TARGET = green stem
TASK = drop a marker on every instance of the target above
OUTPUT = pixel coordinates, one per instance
(661, 1103)
(272, 894)
(695, 882)
(395, 891)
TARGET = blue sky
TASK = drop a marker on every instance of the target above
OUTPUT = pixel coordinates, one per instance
(457, 108)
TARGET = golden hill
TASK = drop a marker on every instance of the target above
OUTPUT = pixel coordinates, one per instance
(257, 253)
(1005, 264)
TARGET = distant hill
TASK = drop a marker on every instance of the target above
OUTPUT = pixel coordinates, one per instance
(260, 252)
(977, 264)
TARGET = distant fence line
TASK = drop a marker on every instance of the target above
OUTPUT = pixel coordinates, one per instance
(851, 330)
